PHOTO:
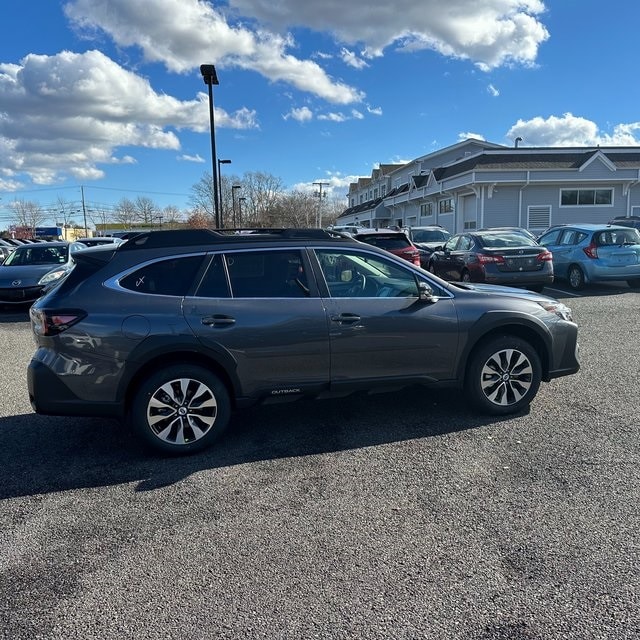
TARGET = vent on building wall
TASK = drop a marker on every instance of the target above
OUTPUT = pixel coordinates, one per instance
(539, 217)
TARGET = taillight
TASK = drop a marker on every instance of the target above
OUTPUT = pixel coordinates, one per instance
(486, 259)
(51, 323)
(545, 256)
(591, 251)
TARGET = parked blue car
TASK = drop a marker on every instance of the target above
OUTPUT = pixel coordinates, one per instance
(587, 253)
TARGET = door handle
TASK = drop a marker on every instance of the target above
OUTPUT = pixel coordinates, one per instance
(346, 318)
(217, 320)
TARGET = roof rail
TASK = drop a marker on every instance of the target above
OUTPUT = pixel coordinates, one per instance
(190, 237)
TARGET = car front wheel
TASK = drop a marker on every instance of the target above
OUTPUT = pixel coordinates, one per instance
(503, 376)
(181, 409)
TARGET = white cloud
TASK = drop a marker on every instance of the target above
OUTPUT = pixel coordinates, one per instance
(188, 158)
(572, 131)
(376, 111)
(333, 117)
(351, 59)
(68, 113)
(466, 135)
(493, 91)
(490, 33)
(182, 33)
(304, 114)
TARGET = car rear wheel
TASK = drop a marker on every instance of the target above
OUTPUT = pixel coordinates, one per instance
(575, 276)
(181, 409)
(503, 375)
(465, 276)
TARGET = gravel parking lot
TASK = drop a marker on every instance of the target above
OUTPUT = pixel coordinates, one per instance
(387, 516)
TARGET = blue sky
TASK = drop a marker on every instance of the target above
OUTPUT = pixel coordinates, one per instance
(108, 95)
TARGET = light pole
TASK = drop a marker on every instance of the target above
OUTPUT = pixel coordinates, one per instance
(234, 188)
(320, 195)
(210, 78)
(220, 207)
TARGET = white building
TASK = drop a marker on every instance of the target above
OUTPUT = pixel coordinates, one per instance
(475, 184)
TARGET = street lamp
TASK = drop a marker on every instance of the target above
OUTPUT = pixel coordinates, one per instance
(210, 78)
(234, 188)
(221, 208)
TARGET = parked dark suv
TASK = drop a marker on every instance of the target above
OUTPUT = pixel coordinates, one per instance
(174, 329)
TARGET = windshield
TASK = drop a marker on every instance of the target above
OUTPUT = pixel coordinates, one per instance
(430, 235)
(507, 239)
(37, 254)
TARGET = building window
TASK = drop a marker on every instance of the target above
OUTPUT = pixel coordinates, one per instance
(383, 190)
(586, 197)
(426, 209)
(445, 206)
(469, 224)
(375, 193)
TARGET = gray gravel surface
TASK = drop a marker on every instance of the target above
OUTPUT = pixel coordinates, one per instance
(387, 516)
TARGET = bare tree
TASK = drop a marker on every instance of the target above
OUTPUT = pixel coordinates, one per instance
(27, 215)
(125, 213)
(171, 216)
(262, 192)
(201, 198)
(296, 209)
(65, 212)
(100, 217)
(146, 210)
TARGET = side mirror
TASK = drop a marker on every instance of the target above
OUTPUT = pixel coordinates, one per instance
(425, 292)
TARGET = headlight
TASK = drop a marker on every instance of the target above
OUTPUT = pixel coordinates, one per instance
(52, 276)
(557, 308)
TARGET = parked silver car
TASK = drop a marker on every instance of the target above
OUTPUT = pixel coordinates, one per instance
(30, 269)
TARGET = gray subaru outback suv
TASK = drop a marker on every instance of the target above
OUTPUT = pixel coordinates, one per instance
(173, 330)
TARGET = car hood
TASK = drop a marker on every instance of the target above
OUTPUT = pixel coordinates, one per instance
(27, 274)
(496, 289)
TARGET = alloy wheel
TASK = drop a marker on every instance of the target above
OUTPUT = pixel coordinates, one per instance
(182, 411)
(506, 377)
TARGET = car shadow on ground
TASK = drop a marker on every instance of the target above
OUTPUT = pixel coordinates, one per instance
(41, 454)
(561, 290)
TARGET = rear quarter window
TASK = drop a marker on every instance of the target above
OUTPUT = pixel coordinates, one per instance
(173, 277)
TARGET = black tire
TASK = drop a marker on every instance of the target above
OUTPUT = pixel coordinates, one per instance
(634, 284)
(465, 276)
(180, 409)
(575, 277)
(432, 268)
(537, 288)
(503, 375)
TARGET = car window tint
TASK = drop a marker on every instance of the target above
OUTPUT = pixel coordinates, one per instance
(450, 245)
(465, 243)
(267, 274)
(388, 243)
(214, 283)
(503, 240)
(550, 238)
(350, 274)
(174, 277)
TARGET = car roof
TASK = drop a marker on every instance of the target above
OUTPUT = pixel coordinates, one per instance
(587, 226)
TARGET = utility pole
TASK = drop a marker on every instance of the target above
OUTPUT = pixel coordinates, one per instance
(320, 195)
(84, 214)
